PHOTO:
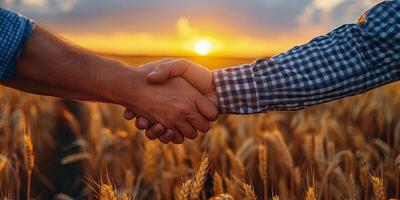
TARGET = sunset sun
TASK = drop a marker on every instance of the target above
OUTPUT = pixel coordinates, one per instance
(202, 47)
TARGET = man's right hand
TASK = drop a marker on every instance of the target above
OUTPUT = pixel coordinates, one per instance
(198, 76)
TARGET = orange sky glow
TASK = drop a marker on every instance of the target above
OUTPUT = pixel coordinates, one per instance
(231, 28)
(182, 43)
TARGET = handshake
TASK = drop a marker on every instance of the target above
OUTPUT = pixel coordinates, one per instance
(171, 99)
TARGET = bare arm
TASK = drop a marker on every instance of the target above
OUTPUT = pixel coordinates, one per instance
(49, 66)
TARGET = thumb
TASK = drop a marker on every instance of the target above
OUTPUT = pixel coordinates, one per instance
(168, 70)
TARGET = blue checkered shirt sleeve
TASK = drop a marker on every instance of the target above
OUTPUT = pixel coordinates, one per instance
(349, 60)
(14, 31)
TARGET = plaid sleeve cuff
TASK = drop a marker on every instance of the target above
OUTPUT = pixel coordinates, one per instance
(15, 29)
(236, 90)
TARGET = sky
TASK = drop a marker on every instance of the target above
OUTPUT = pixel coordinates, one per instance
(231, 28)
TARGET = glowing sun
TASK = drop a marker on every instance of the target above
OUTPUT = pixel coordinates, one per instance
(202, 47)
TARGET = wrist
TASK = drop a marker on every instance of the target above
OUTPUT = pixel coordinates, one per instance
(126, 86)
(213, 96)
(112, 79)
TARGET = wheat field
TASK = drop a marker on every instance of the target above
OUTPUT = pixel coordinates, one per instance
(58, 149)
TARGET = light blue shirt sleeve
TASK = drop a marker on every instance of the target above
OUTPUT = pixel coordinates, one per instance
(15, 29)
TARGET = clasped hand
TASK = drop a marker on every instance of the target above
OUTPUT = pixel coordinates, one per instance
(176, 98)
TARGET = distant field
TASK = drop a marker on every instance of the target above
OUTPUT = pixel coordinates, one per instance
(210, 62)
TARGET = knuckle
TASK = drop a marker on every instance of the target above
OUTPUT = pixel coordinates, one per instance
(155, 132)
(205, 127)
(163, 141)
(160, 67)
(164, 138)
(214, 115)
(166, 59)
(150, 135)
(184, 110)
(178, 140)
(182, 60)
(191, 134)
(160, 128)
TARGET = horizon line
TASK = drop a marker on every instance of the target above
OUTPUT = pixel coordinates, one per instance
(180, 56)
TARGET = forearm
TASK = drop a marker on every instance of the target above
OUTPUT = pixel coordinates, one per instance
(350, 60)
(66, 71)
(40, 89)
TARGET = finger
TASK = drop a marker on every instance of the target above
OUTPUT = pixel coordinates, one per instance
(186, 129)
(178, 138)
(207, 108)
(168, 70)
(155, 131)
(165, 60)
(129, 115)
(157, 62)
(167, 136)
(142, 123)
(199, 122)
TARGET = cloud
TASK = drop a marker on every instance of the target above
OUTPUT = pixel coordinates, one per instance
(275, 25)
(35, 2)
(66, 5)
(322, 14)
(183, 26)
(42, 7)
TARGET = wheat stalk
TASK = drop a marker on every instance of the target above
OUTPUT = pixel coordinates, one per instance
(217, 181)
(184, 192)
(3, 164)
(199, 179)
(308, 148)
(29, 157)
(230, 186)
(236, 163)
(280, 144)
(262, 167)
(107, 192)
(377, 186)
(310, 194)
(150, 159)
(29, 160)
(222, 197)
(248, 192)
(125, 197)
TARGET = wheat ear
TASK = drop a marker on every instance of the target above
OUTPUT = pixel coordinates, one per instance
(262, 167)
(377, 186)
(310, 195)
(3, 164)
(184, 192)
(248, 191)
(107, 192)
(29, 160)
(217, 181)
(199, 179)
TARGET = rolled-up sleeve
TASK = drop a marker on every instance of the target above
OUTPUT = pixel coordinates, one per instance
(15, 29)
